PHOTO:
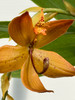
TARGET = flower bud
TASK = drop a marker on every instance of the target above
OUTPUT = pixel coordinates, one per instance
(69, 7)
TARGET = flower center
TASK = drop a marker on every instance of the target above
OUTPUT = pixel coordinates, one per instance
(39, 30)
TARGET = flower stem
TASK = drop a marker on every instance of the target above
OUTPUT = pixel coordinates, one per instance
(9, 75)
(6, 93)
(55, 10)
(60, 11)
(3, 98)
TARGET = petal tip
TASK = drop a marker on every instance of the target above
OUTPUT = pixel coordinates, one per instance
(71, 20)
(50, 91)
(26, 13)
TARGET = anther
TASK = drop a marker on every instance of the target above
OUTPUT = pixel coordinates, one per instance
(45, 64)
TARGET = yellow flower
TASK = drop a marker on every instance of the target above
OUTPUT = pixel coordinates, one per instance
(26, 55)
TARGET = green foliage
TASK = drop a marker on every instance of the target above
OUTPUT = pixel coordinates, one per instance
(53, 3)
(4, 29)
(16, 74)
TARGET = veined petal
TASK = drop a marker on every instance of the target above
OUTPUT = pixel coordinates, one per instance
(30, 78)
(58, 66)
(21, 29)
(53, 30)
(12, 58)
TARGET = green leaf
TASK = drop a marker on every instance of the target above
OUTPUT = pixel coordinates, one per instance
(16, 74)
(53, 3)
(4, 29)
(64, 45)
(49, 3)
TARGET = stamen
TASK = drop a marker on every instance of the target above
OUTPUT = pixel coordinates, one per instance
(40, 30)
(42, 16)
(45, 63)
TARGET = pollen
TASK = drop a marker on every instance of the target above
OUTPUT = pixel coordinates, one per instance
(39, 30)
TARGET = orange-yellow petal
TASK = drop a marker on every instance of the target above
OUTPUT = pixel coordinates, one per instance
(21, 29)
(58, 66)
(53, 30)
(12, 58)
(30, 78)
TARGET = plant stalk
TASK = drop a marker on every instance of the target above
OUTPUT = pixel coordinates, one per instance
(6, 93)
(60, 11)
